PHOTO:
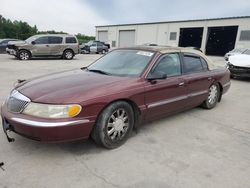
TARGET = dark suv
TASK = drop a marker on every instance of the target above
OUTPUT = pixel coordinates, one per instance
(60, 45)
(4, 43)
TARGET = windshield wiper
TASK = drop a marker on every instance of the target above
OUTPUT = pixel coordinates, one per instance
(98, 71)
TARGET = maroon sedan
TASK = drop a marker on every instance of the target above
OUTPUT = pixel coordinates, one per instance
(114, 94)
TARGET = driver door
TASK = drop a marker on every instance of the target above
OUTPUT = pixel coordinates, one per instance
(166, 96)
(41, 47)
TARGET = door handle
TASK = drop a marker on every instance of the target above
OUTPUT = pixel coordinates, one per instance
(47, 45)
(182, 84)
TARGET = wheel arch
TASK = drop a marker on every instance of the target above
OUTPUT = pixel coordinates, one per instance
(22, 49)
(221, 91)
(69, 49)
(136, 109)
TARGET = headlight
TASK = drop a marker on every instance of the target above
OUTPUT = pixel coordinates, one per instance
(52, 111)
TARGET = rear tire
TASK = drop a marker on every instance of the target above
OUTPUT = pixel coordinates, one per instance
(114, 125)
(24, 55)
(68, 54)
(213, 96)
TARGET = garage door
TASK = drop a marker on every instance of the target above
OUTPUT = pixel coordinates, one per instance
(221, 40)
(191, 37)
(103, 36)
(126, 38)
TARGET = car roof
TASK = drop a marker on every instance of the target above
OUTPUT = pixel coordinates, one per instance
(57, 35)
(170, 49)
(7, 39)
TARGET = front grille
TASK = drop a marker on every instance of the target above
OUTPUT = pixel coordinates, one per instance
(11, 46)
(17, 102)
(16, 105)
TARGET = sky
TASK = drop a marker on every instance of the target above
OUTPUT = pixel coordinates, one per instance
(81, 16)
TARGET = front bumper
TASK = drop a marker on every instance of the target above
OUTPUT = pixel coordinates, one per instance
(239, 71)
(46, 130)
(11, 51)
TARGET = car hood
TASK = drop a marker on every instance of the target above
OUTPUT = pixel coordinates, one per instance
(73, 86)
(17, 43)
(240, 60)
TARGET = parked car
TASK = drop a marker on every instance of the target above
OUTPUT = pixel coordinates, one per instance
(239, 65)
(94, 47)
(4, 43)
(237, 51)
(56, 45)
(116, 93)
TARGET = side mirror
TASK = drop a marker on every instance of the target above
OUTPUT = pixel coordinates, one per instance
(157, 76)
(33, 42)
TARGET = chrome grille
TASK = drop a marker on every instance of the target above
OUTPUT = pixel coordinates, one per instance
(16, 105)
(17, 102)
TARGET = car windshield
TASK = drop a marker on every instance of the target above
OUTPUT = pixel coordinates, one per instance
(238, 50)
(126, 63)
(30, 39)
(247, 52)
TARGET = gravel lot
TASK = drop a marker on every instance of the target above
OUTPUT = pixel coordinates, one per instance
(196, 148)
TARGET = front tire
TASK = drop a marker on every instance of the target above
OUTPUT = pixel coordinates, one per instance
(114, 125)
(68, 54)
(24, 55)
(213, 97)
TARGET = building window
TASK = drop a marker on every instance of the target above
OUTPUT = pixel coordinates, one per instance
(245, 35)
(113, 44)
(173, 35)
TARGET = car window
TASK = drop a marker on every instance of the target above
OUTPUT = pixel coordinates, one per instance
(169, 64)
(125, 63)
(42, 40)
(99, 44)
(204, 64)
(4, 41)
(55, 40)
(71, 40)
(192, 64)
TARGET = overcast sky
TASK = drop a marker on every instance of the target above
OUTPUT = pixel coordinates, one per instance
(81, 16)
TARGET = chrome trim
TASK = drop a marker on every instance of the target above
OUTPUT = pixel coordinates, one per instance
(167, 101)
(227, 84)
(16, 94)
(175, 99)
(198, 93)
(48, 124)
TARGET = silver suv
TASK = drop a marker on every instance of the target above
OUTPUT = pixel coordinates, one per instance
(60, 45)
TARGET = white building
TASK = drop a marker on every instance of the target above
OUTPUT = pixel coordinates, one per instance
(214, 36)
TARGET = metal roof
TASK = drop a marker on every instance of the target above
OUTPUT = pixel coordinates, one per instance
(177, 21)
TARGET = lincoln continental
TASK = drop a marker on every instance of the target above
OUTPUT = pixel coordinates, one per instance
(114, 95)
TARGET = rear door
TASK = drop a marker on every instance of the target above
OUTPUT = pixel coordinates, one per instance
(41, 46)
(55, 45)
(198, 78)
(169, 95)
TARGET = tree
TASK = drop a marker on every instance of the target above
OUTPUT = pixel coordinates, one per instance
(22, 30)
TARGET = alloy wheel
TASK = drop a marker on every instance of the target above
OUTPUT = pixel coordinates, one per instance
(213, 94)
(24, 56)
(118, 125)
(68, 55)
